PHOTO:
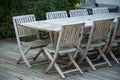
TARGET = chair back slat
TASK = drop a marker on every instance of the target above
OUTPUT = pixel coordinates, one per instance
(101, 29)
(70, 35)
(79, 12)
(118, 28)
(82, 2)
(24, 31)
(56, 15)
(87, 1)
(90, 1)
(100, 10)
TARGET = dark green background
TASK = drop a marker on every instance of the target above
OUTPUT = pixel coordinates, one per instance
(10, 8)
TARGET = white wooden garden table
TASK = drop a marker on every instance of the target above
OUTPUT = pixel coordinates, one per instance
(55, 24)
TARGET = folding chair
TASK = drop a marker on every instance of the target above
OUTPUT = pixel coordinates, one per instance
(68, 43)
(25, 31)
(115, 39)
(90, 1)
(98, 39)
(55, 15)
(78, 12)
(87, 2)
(100, 10)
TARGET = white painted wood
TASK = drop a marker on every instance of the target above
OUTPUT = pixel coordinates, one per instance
(55, 24)
(104, 57)
(109, 2)
(55, 65)
(88, 60)
(99, 64)
(56, 15)
(116, 32)
(26, 31)
(87, 1)
(101, 30)
(69, 36)
(113, 40)
(90, 1)
(78, 12)
(75, 64)
(114, 58)
(100, 10)
(21, 31)
(10, 71)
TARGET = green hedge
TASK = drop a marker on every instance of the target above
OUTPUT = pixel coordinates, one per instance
(10, 8)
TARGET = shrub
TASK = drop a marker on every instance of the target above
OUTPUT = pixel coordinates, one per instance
(10, 8)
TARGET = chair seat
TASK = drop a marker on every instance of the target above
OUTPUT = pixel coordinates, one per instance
(51, 49)
(93, 43)
(37, 43)
(117, 39)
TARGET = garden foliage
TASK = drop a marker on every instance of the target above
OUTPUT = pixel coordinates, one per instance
(10, 8)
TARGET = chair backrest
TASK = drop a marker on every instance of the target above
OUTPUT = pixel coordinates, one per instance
(101, 30)
(90, 1)
(100, 10)
(87, 1)
(118, 27)
(24, 31)
(116, 32)
(82, 2)
(78, 12)
(56, 15)
(70, 35)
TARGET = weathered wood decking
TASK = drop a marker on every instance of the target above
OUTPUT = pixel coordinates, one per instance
(9, 70)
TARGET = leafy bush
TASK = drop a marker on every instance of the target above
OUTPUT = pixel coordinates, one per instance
(10, 8)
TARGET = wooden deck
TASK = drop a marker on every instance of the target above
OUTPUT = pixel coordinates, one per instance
(9, 70)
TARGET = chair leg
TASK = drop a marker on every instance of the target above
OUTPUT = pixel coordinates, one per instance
(59, 70)
(104, 57)
(55, 65)
(38, 54)
(84, 55)
(113, 56)
(25, 59)
(20, 58)
(46, 56)
(105, 50)
(119, 48)
(74, 56)
(90, 63)
(88, 60)
(75, 64)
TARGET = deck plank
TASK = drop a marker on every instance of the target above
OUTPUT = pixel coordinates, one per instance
(9, 70)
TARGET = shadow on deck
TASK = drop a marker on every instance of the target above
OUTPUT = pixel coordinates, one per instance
(9, 70)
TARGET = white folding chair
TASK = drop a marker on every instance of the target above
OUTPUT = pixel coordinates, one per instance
(78, 12)
(55, 15)
(98, 39)
(87, 1)
(25, 31)
(68, 43)
(100, 10)
(90, 1)
(115, 39)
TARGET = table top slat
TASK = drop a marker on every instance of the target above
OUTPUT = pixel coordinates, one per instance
(55, 24)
